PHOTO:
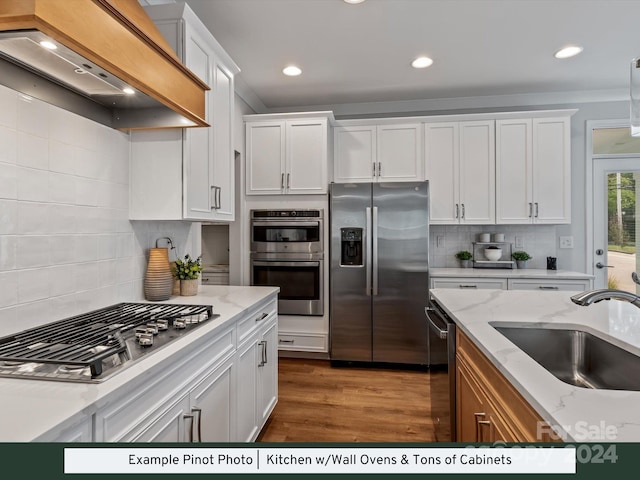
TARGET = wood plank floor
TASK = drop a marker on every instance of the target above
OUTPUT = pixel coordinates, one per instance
(318, 403)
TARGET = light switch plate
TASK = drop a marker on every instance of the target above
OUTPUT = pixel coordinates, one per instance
(566, 242)
(439, 241)
(519, 242)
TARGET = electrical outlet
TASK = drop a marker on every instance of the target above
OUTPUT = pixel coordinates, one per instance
(519, 242)
(439, 241)
(566, 242)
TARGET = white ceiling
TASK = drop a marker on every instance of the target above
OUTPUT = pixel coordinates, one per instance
(481, 48)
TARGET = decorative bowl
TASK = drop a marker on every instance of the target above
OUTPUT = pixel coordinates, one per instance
(493, 254)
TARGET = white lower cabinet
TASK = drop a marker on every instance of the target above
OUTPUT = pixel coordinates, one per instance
(577, 285)
(505, 283)
(222, 390)
(470, 283)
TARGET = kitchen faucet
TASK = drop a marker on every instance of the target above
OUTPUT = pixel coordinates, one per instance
(593, 296)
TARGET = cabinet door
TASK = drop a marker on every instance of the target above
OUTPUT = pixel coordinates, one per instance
(198, 142)
(223, 156)
(552, 170)
(442, 164)
(213, 405)
(306, 156)
(174, 425)
(470, 406)
(248, 360)
(400, 153)
(514, 172)
(265, 158)
(354, 154)
(268, 373)
(477, 172)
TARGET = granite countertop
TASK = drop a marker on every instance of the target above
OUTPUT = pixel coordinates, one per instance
(582, 414)
(29, 409)
(508, 273)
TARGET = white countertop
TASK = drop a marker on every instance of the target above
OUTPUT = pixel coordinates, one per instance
(582, 413)
(31, 408)
(508, 273)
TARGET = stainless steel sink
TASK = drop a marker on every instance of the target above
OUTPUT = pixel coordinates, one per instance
(578, 358)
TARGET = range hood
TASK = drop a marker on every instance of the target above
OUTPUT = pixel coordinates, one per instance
(102, 59)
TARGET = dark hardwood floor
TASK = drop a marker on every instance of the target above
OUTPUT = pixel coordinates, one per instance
(318, 403)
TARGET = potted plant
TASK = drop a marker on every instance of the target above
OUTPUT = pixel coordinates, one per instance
(188, 271)
(465, 258)
(521, 258)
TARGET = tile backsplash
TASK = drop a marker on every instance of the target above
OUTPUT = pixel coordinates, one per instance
(539, 241)
(66, 243)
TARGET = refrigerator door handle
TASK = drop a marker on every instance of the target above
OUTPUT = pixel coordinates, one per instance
(368, 233)
(375, 248)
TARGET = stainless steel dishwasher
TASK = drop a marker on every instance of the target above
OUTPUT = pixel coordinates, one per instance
(442, 371)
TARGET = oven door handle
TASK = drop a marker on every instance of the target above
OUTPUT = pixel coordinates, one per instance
(259, 263)
(441, 332)
(288, 223)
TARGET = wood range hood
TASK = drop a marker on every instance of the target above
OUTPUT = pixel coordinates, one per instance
(102, 48)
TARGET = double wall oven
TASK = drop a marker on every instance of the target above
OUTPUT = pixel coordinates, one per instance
(287, 252)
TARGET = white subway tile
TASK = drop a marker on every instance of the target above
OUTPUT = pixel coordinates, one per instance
(8, 144)
(86, 248)
(33, 185)
(107, 273)
(8, 321)
(62, 157)
(62, 188)
(33, 151)
(8, 217)
(33, 285)
(33, 314)
(62, 125)
(33, 218)
(62, 249)
(63, 218)
(107, 247)
(8, 181)
(125, 245)
(63, 280)
(32, 251)
(86, 192)
(62, 307)
(8, 289)
(125, 269)
(33, 116)
(86, 276)
(88, 164)
(8, 252)
(8, 107)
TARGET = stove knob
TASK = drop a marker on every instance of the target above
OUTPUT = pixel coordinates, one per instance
(162, 325)
(152, 328)
(145, 339)
(180, 323)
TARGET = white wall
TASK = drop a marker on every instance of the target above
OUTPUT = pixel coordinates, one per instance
(66, 244)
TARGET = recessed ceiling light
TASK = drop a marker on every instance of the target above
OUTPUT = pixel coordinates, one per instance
(48, 45)
(292, 71)
(128, 90)
(422, 62)
(354, 1)
(567, 52)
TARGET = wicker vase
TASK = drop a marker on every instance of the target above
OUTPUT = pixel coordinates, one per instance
(188, 287)
(158, 281)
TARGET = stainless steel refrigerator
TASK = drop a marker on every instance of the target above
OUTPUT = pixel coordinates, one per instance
(379, 272)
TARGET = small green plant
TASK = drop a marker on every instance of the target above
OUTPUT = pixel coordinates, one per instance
(521, 256)
(188, 269)
(464, 255)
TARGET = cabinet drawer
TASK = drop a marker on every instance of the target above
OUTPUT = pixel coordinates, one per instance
(215, 279)
(256, 317)
(302, 342)
(470, 283)
(551, 285)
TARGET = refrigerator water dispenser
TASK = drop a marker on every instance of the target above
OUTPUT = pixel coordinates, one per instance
(351, 246)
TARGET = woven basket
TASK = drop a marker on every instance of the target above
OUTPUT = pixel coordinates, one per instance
(188, 288)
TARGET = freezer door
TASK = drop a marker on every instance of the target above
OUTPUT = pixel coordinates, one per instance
(400, 272)
(350, 303)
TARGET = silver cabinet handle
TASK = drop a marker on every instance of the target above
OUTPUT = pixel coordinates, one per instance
(467, 286)
(602, 265)
(205, 280)
(198, 410)
(213, 197)
(219, 197)
(537, 209)
(189, 416)
(374, 247)
(379, 169)
(374, 169)
(264, 352)
(263, 355)
(282, 340)
(262, 317)
(441, 332)
(530, 209)
(544, 287)
(282, 182)
(288, 180)
(462, 216)
(457, 211)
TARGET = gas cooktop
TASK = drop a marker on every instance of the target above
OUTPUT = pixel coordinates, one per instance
(93, 346)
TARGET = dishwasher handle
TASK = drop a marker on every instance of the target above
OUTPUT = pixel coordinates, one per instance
(441, 332)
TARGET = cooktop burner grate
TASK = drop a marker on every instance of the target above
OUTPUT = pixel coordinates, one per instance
(86, 340)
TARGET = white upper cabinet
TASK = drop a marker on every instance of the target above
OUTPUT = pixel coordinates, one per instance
(287, 154)
(188, 173)
(533, 170)
(382, 153)
(460, 167)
